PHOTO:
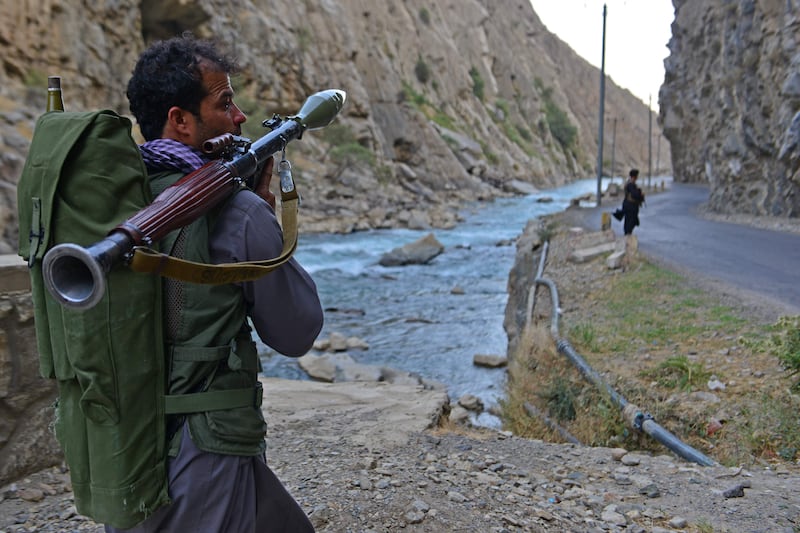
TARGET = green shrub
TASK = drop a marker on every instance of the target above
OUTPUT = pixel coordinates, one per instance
(782, 342)
(422, 71)
(560, 397)
(477, 83)
(352, 154)
(410, 95)
(524, 132)
(585, 336)
(678, 372)
(425, 107)
(560, 126)
(491, 157)
(787, 345)
(424, 16)
(338, 133)
(444, 120)
(503, 106)
(770, 428)
(557, 120)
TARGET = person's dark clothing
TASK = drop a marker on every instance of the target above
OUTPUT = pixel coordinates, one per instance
(634, 197)
(215, 493)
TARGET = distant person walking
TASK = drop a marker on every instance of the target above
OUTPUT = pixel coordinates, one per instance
(634, 198)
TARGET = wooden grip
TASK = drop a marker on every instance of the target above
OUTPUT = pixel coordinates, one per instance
(180, 204)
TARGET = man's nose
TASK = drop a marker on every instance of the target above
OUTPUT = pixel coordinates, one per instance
(239, 117)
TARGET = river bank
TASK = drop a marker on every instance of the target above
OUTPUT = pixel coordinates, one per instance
(430, 319)
(368, 458)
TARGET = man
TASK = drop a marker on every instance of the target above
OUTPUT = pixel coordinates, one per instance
(634, 197)
(180, 94)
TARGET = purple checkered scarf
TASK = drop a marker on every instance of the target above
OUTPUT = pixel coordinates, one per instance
(167, 154)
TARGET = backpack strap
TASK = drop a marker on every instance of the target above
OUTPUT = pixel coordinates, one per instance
(200, 402)
(36, 235)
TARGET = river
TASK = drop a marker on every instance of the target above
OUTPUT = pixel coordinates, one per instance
(411, 316)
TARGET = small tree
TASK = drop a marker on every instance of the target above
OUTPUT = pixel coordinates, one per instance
(425, 16)
(351, 155)
(477, 83)
(785, 345)
(560, 126)
(422, 71)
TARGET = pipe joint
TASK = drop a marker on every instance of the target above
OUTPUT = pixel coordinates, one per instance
(639, 419)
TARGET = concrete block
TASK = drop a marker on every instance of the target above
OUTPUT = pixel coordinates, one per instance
(14, 274)
(587, 254)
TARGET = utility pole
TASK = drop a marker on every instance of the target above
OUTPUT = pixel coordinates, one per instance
(650, 142)
(602, 113)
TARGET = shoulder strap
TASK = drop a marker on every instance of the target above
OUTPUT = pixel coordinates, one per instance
(150, 261)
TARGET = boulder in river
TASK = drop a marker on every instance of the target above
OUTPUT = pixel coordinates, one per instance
(419, 252)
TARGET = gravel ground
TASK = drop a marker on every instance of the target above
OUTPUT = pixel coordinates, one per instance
(453, 479)
(483, 481)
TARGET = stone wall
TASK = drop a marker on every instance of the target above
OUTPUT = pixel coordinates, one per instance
(26, 399)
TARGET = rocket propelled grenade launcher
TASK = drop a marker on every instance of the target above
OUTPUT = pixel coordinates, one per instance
(75, 276)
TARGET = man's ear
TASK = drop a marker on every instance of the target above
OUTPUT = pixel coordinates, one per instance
(180, 124)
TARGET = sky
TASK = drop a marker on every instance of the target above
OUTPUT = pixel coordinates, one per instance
(637, 33)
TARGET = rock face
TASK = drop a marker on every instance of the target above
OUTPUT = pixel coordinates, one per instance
(520, 280)
(26, 400)
(448, 101)
(730, 103)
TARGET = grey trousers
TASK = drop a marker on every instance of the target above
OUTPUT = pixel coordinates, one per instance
(214, 493)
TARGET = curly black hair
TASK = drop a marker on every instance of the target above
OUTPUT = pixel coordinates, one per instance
(168, 74)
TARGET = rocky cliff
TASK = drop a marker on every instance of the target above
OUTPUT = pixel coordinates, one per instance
(447, 101)
(730, 103)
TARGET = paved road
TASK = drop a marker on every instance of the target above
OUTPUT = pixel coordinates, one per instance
(760, 264)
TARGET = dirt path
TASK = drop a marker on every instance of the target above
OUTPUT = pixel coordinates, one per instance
(329, 445)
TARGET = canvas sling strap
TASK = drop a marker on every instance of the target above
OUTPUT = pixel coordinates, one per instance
(147, 260)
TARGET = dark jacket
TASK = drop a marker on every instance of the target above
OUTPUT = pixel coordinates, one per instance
(634, 198)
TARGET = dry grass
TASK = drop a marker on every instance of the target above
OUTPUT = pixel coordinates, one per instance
(658, 339)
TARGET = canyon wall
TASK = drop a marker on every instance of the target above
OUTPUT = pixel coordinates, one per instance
(448, 102)
(730, 103)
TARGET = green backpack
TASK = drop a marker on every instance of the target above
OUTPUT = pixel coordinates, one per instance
(83, 176)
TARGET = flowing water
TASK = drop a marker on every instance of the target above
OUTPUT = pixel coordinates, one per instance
(411, 316)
